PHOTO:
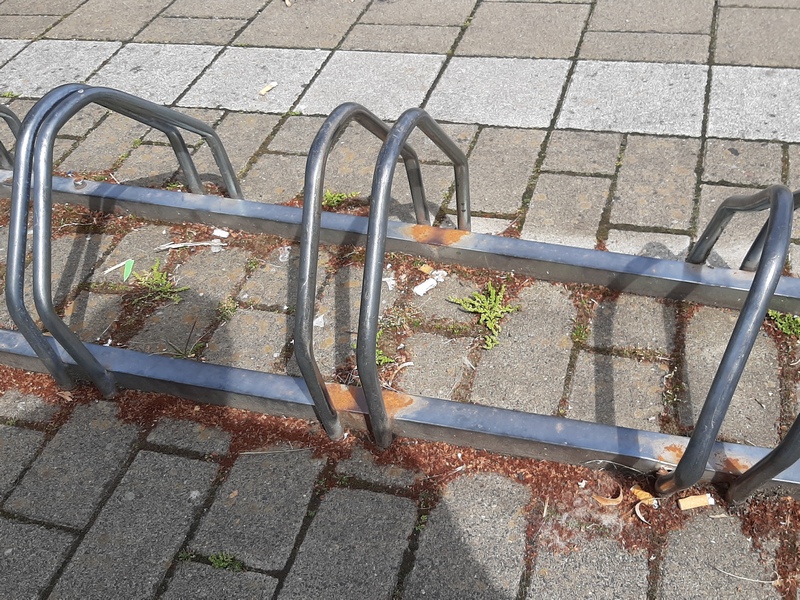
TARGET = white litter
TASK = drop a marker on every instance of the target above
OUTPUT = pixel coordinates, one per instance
(220, 233)
(439, 275)
(267, 88)
(390, 282)
(284, 252)
(425, 287)
(319, 321)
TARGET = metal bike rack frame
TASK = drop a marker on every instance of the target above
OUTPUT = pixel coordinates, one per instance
(14, 124)
(555, 438)
(35, 151)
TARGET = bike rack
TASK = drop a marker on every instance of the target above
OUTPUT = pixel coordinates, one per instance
(35, 151)
(13, 122)
(388, 412)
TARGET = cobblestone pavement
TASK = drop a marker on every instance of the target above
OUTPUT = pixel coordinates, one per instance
(606, 124)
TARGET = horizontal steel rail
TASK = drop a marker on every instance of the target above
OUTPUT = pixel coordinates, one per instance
(494, 429)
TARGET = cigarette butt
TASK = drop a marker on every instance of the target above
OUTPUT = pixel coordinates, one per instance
(427, 269)
(695, 501)
(267, 88)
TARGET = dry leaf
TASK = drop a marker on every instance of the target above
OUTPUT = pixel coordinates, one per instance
(233, 494)
(638, 510)
(65, 395)
(603, 501)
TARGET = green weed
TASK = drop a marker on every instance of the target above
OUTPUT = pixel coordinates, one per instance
(490, 307)
(334, 199)
(225, 560)
(158, 286)
(785, 323)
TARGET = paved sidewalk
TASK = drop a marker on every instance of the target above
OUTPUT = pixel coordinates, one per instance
(606, 124)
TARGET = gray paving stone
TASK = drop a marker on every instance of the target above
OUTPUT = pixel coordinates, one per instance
(16, 406)
(258, 511)
(364, 77)
(617, 391)
(139, 245)
(252, 339)
(504, 30)
(794, 167)
(149, 166)
(753, 103)
(104, 146)
(343, 534)
(656, 182)
(297, 134)
(66, 482)
(633, 321)
(212, 9)
(706, 544)
(203, 582)
(179, 30)
(740, 162)
(654, 245)
(45, 64)
(735, 241)
(645, 47)
(419, 12)
(362, 465)
(779, 24)
(17, 449)
(26, 26)
(90, 315)
(237, 76)
(473, 543)
(582, 152)
(692, 16)
(501, 164)
(566, 209)
(461, 134)
(755, 407)
(489, 226)
(211, 278)
(242, 134)
(51, 7)
(155, 72)
(139, 530)
(274, 283)
(401, 38)
(274, 178)
(438, 365)
(73, 259)
(435, 303)
(537, 336)
(188, 435)
(33, 554)
(81, 123)
(319, 24)
(599, 569)
(761, 3)
(91, 21)
(9, 48)
(636, 97)
(514, 92)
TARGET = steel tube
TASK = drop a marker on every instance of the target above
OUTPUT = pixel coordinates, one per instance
(314, 189)
(691, 466)
(17, 233)
(376, 250)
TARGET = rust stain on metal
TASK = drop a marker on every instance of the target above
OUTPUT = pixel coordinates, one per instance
(436, 235)
(344, 397)
(351, 399)
(735, 465)
(672, 453)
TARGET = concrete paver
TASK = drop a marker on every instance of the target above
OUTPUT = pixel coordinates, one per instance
(473, 542)
(777, 23)
(91, 20)
(430, 375)
(364, 77)
(208, 9)
(186, 435)
(645, 47)
(515, 92)
(334, 543)
(582, 152)
(155, 72)
(633, 321)
(259, 509)
(202, 582)
(419, 12)
(17, 449)
(425, 39)
(692, 16)
(637, 97)
(179, 30)
(139, 530)
(16, 406)
(744, 163)
(49, 491)
(238, 74)
(46, 64)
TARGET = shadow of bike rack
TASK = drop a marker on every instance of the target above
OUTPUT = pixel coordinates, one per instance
(753, 289)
